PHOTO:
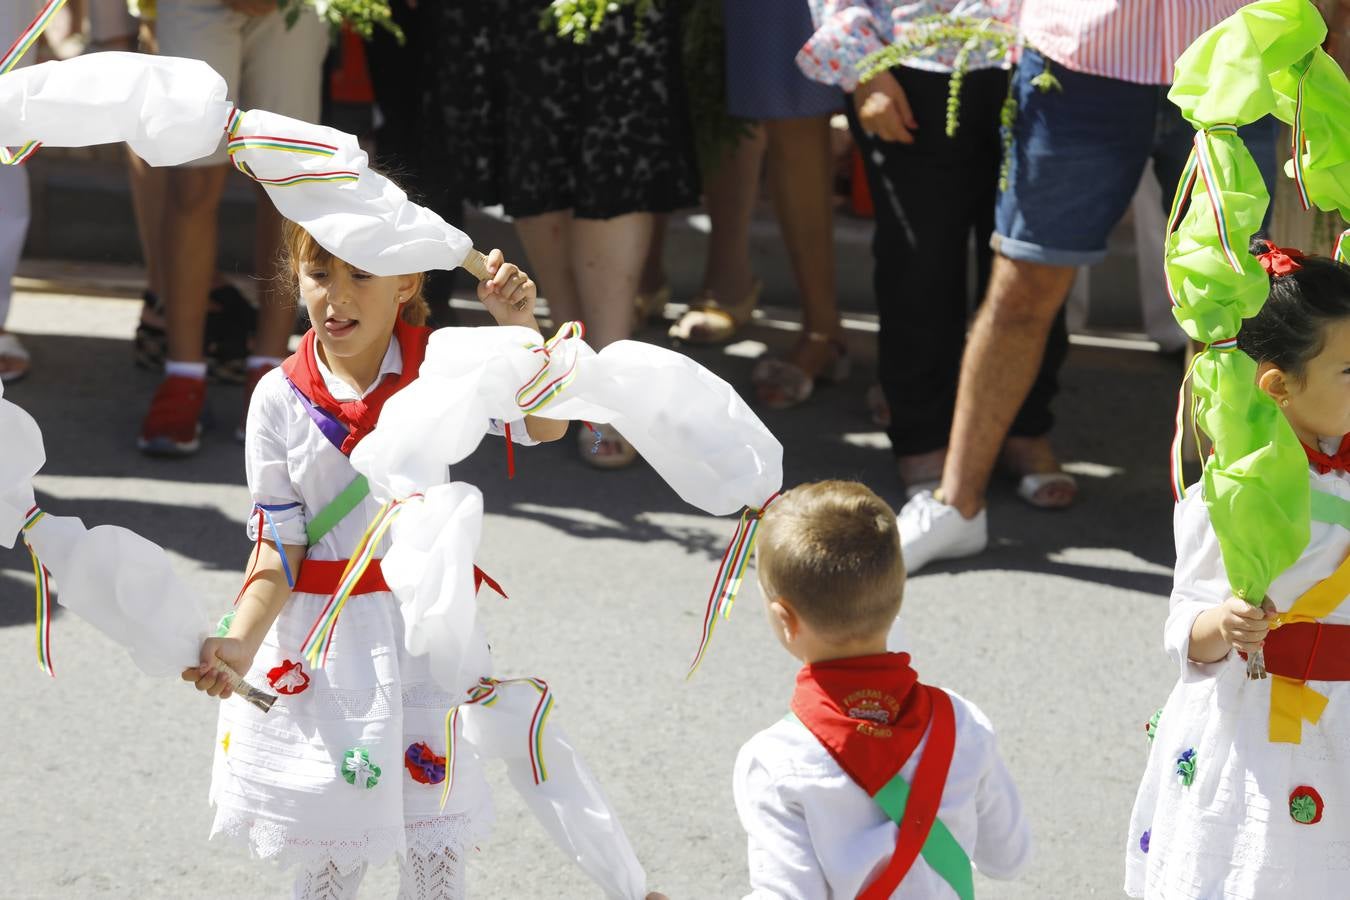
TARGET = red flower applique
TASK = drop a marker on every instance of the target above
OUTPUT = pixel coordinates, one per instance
(288, 678)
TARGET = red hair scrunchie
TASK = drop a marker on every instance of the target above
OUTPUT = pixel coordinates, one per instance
(1280, 260)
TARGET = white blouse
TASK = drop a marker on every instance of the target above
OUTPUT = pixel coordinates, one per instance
(815, 834)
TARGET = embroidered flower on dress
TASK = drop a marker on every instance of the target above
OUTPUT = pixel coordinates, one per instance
(1143, 840)
(1186, 767)
(1305, 805)
(225, 743)
(358, 770)
(1151, 726)
(288, 678)
(223, 627)
(423, 764)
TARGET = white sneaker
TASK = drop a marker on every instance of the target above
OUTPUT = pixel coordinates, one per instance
(930, 530)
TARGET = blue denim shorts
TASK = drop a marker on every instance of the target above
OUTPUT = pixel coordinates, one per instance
(1078, 156)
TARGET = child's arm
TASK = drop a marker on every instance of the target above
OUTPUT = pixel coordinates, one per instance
(509, 295)
(1233, 625)
(264, 595)
(783, 863)
(1003, 835)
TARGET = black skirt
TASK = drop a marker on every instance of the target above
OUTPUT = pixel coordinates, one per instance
(540, 124)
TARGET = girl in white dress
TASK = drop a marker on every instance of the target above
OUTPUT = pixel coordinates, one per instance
(1247, 790)
(347, 770)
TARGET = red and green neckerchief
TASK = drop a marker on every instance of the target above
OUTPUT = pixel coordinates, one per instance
(870, 713)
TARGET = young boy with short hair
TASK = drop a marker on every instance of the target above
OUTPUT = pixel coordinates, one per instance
(866, 745)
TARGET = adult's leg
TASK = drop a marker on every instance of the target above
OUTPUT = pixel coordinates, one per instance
(548, 245)
(800, 181)
(729, 194)
(149, 185)
(276, 298)
(189, 265)
(607, 257)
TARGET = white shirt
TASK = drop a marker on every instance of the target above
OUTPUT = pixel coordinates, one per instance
(815, 834)
(289, 461)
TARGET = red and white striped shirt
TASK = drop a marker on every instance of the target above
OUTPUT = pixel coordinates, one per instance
(1132, 40)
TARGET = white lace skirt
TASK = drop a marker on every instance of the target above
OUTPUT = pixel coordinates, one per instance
(1230, 833)
(322, 777)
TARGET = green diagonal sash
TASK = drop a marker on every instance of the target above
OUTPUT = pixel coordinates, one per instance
(337, 510)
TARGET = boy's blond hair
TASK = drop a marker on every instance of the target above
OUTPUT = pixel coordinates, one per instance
(298, 245)
(832, 549)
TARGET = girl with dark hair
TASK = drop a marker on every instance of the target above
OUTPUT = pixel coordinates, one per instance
(1247, 790)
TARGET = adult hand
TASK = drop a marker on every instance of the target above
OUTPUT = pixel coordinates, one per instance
(252, 7)
(883, 109)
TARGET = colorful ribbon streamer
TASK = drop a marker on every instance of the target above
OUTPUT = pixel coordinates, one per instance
(238, 142)
(485, 693)
(1341, 252)
(729, 576)
(11, 59)
(540, 390)
(43, 602)
(320, 637)
(1213, 187)
(1300, 144)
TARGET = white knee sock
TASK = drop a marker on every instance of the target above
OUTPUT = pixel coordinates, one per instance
(436, 875)
(325, 882)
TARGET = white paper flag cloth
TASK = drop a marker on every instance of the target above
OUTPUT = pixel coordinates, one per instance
(172, 111)
(505, 720)
(690, 425)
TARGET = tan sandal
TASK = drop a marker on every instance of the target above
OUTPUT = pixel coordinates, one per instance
(709, 322)
(592, 444)
(650, 306)
(782, 384)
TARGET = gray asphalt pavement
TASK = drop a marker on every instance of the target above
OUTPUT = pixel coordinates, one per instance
(1055, 633)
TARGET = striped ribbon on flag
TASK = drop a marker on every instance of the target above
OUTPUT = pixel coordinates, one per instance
(485, 693)
(16, 52)
(540, 390)
(730, 574)
(320, 637)
(240, 142)
(1300, 145)
(1341, 252)
(1213, 187)
(43, 590)
(1177, 465)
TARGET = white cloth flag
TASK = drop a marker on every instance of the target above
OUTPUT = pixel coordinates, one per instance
(690, 425)
(123, 585)
(172, 111)
(21, 456)
(569, 803)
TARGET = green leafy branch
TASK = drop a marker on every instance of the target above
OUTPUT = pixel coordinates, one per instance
(577, 20)
(362, 16)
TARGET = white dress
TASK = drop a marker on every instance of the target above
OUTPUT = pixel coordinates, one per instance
(1230, 834)
(278, 777)
(814, 833)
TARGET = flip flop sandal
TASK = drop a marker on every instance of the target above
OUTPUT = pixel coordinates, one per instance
(590, 445)
(650, 306)
(787, 384)
(10, 348)
(1030, 488)
(230, 323)
(709, 322)
(151, 342)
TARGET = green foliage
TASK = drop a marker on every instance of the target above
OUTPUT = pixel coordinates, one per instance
(1007, 118)
(704, 58)
(362, 16)
(1046, 81)
(577, 20)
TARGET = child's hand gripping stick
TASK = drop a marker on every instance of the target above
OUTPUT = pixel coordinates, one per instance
(476, 264)
(259, 699)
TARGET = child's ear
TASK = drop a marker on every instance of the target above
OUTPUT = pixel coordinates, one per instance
(1273, 382)
(408, 286)
(784, 618)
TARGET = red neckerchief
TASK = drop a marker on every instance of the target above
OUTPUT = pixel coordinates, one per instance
(1324, 463)
(360, 416)
(870, 712)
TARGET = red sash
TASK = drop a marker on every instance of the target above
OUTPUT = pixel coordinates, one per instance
(359, 417)
(870, 713)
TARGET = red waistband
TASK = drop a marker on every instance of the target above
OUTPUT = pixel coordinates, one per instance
(321, 576)
(1309, 651)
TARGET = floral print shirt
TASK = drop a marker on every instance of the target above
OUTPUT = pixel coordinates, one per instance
(849, 30)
